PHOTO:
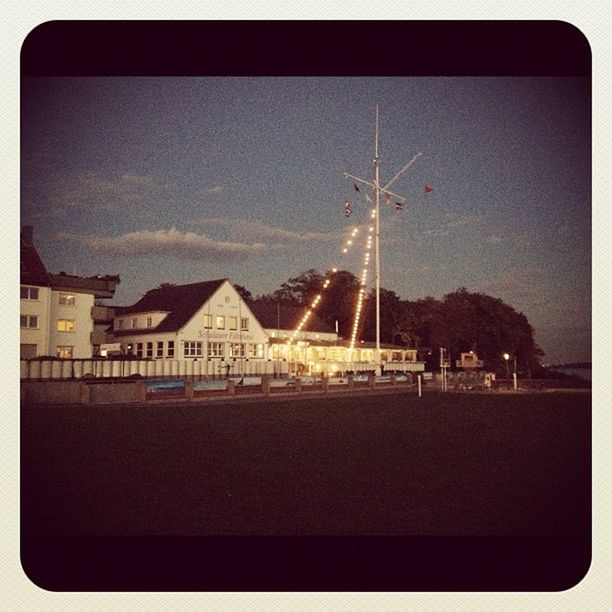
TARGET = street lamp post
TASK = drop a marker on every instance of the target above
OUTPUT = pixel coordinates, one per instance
(506, 359)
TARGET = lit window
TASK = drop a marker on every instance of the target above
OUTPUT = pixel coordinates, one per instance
(160, 349)
(67, 299)
(233, 323)
(236, 350)
(207, 321)
(28, 321)
(29, 293)
(215, 349)
(64, 352)
(170, 348)
(193, 349)
(220, 322)
(65, 325)
(244, 324)
(256, 350)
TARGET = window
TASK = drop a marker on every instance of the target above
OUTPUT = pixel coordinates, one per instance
(134, 322)
(244, 324)
(67, 299)
(27, 351)
(64, 352)
(65, 325)
(220, 322)
(149, 349)
(149, 321)
(29, 293)
(236, 350)
(256, 351)
(215, 349)
(160, 349)
(139, 349)
(193, 349)
(28, 321)
(170, 348)
(233, 323)
(120, 323)
(207, 321)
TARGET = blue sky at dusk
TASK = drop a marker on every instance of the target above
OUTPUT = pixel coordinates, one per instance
(188, 179)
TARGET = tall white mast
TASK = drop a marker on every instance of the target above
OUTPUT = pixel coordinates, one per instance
(377, 187)
(378, 190)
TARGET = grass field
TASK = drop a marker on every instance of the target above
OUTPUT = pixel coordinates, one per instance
(375, 465)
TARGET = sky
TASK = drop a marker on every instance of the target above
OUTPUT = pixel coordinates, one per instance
(184, 179)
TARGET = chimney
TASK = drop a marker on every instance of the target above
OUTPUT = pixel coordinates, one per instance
(27, 235)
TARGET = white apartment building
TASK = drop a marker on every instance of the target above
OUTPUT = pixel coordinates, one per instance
(56, 309)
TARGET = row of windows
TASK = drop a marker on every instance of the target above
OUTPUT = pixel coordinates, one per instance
(31, 322)
(217, 349)
(32, 293)
(145, 349)
(232, 322)
(220, 322)
(28, 351)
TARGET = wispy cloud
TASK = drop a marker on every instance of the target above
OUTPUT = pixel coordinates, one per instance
(215, 189)
(102, 192)
(260, 230)
(436, 232)
(451, 224)
(169, 243)
(494, 239)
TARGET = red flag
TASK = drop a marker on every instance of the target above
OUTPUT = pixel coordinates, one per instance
(428, 188)
(399, 206)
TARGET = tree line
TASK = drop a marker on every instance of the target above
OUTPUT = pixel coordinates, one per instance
(460, 321)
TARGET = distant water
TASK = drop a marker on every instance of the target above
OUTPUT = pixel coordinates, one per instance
(584, 373)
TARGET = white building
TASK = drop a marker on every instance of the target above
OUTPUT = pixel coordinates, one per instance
(207, 321)
(56, 309)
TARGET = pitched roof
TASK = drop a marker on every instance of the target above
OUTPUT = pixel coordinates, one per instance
(33, 270)
(181, 302)
(272, 315)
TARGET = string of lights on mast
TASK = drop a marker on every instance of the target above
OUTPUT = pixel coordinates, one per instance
(372, 230)
(378, 191)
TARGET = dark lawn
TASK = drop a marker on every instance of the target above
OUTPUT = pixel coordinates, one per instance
(374, 465)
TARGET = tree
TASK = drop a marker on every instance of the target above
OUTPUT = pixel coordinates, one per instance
(464, 321)
(245, 294)
(296, 291)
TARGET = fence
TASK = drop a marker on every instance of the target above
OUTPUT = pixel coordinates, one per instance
(122, 391)
(71, 369)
